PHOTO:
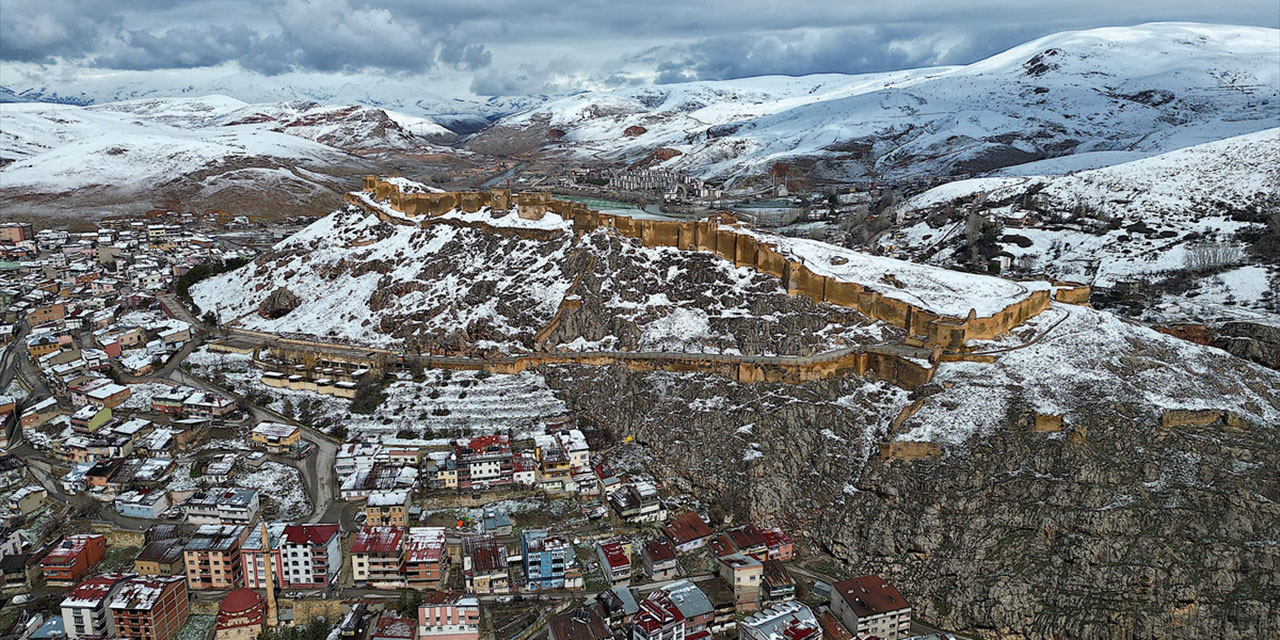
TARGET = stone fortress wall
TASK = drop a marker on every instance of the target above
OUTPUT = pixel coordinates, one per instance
(717, 234)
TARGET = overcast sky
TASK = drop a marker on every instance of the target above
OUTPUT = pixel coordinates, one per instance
(513, 47)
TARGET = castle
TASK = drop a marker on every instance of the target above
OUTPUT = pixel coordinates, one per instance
(723, 235)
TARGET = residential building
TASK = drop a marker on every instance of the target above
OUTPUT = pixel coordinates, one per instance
(484, 565)
(749, 542)
(377, 556)
(145, 503)
(786, 621)
(71, 559)
(484, 461)
(310, 555)
(424, 557)
(275, 437)
(580, 623)
(387, 508)
(547, 559)
(448, 616)
(84, 610)
(659, 559)
(212, 557)
(160, 558)
(776, 582)
(779, 544)
(222, 505)
(870, 606)
(208, 405)
(615, 562)
(253, 554)
(638, 502)
(393, 626)
(658, 618)
(27, 500)
(743, 573)
(617, 605)
(694, 606)
(150, 608)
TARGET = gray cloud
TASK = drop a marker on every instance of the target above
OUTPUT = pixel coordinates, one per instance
(40, 30)
(502, 47)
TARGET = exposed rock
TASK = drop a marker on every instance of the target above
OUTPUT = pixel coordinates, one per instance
(1251, 341)
(634, 130)
(278, 303)
(1136, 530)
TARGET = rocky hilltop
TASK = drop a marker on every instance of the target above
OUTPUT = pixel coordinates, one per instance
(1078, 476)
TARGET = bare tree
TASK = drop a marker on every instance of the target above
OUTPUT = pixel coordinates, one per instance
(1211, 255)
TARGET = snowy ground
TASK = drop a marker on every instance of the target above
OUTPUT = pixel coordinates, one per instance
(464, 402)
(140, 395)
(280, 485)
(1165, 204)
(1085, 363)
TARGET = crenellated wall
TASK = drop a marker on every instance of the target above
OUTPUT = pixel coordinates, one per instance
(718, 235)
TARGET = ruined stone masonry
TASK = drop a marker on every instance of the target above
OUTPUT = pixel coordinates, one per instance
(717, 235)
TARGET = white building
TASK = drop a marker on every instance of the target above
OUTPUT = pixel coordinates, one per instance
(84, 611)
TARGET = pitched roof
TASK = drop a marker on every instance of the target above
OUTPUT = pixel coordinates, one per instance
(870, 595)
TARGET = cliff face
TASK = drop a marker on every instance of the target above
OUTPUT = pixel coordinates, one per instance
(1114, 527)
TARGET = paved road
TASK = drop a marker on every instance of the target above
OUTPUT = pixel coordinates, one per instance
(317, 468)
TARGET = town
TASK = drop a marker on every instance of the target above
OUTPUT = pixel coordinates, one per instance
(165, 478)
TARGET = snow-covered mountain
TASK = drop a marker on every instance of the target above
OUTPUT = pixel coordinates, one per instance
(1135, 91)
(1136, 220)
(36, 83)
(210, 152)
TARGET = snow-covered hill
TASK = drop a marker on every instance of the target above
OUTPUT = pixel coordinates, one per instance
(1131, 221)
(213, 152)
(1138, 90)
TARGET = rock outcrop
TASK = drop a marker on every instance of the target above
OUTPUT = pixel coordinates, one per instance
(1251, 341)
(1135, 530)
(278, 304)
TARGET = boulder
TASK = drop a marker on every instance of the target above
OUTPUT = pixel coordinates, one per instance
(279, 303)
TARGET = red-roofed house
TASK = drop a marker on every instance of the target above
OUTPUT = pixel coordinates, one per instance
(310, 555)
(614, 562)
(484, 461)
(658, 618)
(779, 543)
(377, 557)
(687, 531)
(424, 557)
(870, 606)
(659, 559)
(70, 560)
(393, 626)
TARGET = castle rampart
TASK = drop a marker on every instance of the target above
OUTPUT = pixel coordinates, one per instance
(718, 235)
